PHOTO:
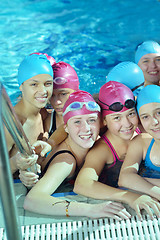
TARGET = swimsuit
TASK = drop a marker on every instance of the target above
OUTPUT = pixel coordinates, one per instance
(110, 172)
(68, 184)
(147, 168)
(53, 123)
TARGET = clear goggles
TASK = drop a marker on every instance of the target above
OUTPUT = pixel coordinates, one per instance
(60, 80)
(91, 106)
(118, 106)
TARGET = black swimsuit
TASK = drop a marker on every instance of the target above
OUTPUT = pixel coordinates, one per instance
(68, 184)
(53, 123)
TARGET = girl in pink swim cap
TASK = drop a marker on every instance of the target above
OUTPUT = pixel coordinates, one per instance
(99, 175)
(65, 82)
(81, 117)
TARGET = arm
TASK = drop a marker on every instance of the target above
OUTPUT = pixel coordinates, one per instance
(87, 184)
(58, 136)
(129, 177)
(39, 200)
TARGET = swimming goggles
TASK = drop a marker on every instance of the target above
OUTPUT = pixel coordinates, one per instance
(60, 80)
(140, 85)
(91, 106)
(118, 106)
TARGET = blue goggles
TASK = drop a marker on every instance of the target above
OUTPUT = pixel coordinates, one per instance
(91, 106)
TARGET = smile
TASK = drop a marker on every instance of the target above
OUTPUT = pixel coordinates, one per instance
(85, 137)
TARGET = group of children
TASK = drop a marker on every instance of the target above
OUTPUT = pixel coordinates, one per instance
(93, 142)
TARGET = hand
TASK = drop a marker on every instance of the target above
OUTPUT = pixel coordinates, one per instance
(24, 162)
(29, 179)
(41, 147)
(109, 209)
(147, 203)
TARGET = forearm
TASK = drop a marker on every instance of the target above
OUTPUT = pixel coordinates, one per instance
(137, 183)
(13, 164)
(98, 190)
(45, 204)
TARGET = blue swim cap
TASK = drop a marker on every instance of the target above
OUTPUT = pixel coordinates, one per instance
(146, 48)
(129, 74)
(149, 94)
(33, 65)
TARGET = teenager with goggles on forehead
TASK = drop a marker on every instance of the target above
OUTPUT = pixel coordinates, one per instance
(98, 177)
(62, 164)
(65, 82)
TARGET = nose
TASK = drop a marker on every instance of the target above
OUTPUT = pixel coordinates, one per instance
(85, 126)
(152, 64)
(126, 122)
(42, 89)
(155, 121)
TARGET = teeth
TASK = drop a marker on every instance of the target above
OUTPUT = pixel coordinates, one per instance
(153, 72)
(85, 137)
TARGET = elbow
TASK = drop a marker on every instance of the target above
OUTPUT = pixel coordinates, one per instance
(122, 181)
(28, 204)
(79, 188)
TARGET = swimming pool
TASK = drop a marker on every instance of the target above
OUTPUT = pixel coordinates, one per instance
(91, 35)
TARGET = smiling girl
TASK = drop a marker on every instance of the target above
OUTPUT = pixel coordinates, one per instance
(81, 119)
(99, 176)
(141, 168)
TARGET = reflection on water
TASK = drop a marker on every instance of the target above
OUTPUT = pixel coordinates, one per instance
(92, 37)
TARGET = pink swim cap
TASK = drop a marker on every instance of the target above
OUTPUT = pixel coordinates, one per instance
(115, 92)
(51, 59)
(65, 76)
(79, 103)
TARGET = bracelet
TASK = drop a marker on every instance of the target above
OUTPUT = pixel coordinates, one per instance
(68, 203)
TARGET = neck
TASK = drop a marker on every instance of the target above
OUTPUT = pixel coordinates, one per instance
(77, 151)
(29, 109)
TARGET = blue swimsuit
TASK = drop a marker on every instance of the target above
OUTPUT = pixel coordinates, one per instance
(147, 168)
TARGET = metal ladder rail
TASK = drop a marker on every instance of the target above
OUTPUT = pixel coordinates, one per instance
(13, 230)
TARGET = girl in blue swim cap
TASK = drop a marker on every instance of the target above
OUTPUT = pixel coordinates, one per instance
(98, 177)
(147, 56)
(35, 79)
(141, 168)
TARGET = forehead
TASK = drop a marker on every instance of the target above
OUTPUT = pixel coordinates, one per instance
(124, 113)
(40, 78)
(84, 117)
(150, 56)
(149, 108)
(60, 90)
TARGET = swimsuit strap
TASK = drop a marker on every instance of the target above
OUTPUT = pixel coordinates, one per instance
(138, 131)
(55, 155)
(52, 127)
(112, 150)
(148, 161)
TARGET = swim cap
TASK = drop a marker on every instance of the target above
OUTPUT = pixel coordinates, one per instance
(65, 76)
(114, 92)
(149, 94)
(73, 106)
(146, 48)
(51, 59)
(33, 65)
(128, 73)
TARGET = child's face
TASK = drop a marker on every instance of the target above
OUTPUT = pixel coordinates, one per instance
(150, 118)
(122, 124)
(84, 129)
(59, 97)
(37, 90)
(150, 65)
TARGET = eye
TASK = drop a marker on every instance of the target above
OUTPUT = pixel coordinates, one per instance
(145, 61)
(92, 120)
(145, 117)
(158, 59)
(132, 114)
(77, 122)
(48, 84)
(34, 84)
(117, 118)
(158, 113)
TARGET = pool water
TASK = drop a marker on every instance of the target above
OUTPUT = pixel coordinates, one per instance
(92, 35)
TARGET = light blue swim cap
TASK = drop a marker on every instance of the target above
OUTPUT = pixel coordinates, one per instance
(149, 94)
(129, 74)
(146, 48)
(33, 65)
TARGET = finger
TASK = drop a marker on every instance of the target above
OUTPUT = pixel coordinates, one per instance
(137, 209)
(47, 149)
(148, 210)
(38, 168)
(156, 208)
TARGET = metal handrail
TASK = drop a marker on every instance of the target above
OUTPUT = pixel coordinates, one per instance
(14, 127)
(6, 185)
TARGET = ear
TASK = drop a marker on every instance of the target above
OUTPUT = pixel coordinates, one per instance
(65, 128)
(20, 88)
(104, 120)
